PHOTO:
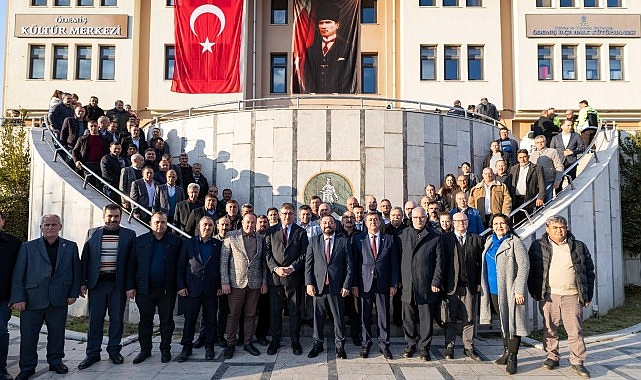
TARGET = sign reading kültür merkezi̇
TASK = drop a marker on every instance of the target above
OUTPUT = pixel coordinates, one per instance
(583, 25)
(71, 26)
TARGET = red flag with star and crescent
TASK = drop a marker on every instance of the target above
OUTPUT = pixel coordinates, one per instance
(208, 42)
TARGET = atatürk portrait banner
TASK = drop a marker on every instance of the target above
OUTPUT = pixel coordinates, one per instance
(325, 46)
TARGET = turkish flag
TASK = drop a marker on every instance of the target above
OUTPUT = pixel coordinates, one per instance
(208, 39)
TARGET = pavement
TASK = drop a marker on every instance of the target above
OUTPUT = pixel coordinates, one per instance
(610, 356)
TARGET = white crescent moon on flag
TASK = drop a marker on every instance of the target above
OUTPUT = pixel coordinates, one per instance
(207, 8)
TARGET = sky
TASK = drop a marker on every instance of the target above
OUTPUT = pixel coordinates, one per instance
(3, 18)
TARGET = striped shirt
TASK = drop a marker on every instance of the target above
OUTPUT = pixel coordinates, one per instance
(109, 252)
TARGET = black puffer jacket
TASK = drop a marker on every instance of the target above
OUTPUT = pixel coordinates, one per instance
(540, 256)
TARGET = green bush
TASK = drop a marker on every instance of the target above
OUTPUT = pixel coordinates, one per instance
(630, 166)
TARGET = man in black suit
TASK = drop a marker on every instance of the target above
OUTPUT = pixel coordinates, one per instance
(152, 281)
(463, 252)
(142, 192)
(376, 277)
(184, 208)
(328, 276)
(527, 182)
(104, 274)
(422, 268)
(9, 248)
(199, 283)
(46, 280)
(286, 244)
(209, 209)
(569, 144)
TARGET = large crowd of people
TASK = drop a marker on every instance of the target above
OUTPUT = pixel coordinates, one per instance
(241, 270)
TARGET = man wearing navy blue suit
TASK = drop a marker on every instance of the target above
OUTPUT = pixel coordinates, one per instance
(104, 274)
(328, 277)
(286, 244)
(46, 280)
(199, 283)
(376, 277)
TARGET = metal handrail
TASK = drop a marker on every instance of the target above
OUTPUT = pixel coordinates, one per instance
(59, 148)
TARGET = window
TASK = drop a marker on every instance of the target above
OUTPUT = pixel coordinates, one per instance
(475, 62)
(545, 62)
(543, 3)
(83, 62)
(592, 63)
(450, 3)
(616, 62)
(368, 11)
(428, 62)
(568, 62)
(451, 57)
(60, 62)
(614, 4)
(278, 75)
(473, 3)
(39, 3)
(426, 3)
(170, 61)
(590, 3)
(37, 62)
(107, 63)
(368, 73)
(85, 3)
(170, 3)
(62, 3)
(279, 12)
(567, 3)
(109, 3)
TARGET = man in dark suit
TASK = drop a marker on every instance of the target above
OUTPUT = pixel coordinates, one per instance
(184, 208)
(9, 248)
(527, 182)
(142, 192)
(209, 209)
(104, 274)
(328, 277)
(199, 283)
(168, 195)
(128, 175)
(286, 245)
(151, 280)
(422, 268)
(46, 280)
(463, 251)
(376, 277)
(569, 144)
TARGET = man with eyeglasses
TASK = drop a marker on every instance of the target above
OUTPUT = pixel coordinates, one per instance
(462, 251)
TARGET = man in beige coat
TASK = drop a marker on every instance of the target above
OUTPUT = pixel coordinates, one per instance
(490, 197)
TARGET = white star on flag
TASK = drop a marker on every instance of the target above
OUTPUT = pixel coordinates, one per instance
(207, 45)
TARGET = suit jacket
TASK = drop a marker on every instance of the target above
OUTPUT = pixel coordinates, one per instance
(471, 252)
(235, 267)
(127, 177)
(422, 265)
(90, 261)
(128, 140)
(161, 198)
(339, 269)
(181, 215)
(138, 274)
(535, 184)
(198, 277)
(329, 73)
(474, 221)
(33, 281)
(278, 254)
(71, 131)
(575, 145)
(386, 266)
(191, 227)
(138, 192)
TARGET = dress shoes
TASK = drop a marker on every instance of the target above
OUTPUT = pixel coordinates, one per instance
(141, 357)
(425, 355)
(251, 349)
(365, 350)
(228, 353)
(449, 353)
(297, 349)
(199, 342)
(115, 358)
(25, 375)
(472, 354)
(88, 362)
(387, 354)
(550, 364)
(184, 355)
(209, 353)
(59, 368)
(165, 356)
(315, 351)
(580, 370)
(273, 348)
(409, 351)
(341, 354)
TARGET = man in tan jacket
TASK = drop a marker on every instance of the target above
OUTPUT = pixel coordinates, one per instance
(490, 197)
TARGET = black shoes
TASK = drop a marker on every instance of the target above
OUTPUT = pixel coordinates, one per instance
(580, 370)
(503, 359)
(165, 356)
(550, 364)
(25, 375)
(409, 352)
(387, 354)
(449, 353)
(315, 351)
(59, 368)
(209, 353)
(251, 349)
(425, 355)
(511, 364)
(297, 349)
(273, 347)
(199, 342)
(88, 362)
(184, 355)
(228, 353)
(141, 357)
(341, 354)
(115, 358)
(472, 354)
(365, 350)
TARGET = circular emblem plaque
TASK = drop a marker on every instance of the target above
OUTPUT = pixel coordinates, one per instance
(332, 188)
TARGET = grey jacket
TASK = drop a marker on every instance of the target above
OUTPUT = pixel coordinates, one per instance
(236, 269)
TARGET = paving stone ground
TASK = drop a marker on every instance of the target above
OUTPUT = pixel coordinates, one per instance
(616, 356)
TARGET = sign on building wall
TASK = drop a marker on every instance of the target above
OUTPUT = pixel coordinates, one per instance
(61, 25)
(583, 25)
(325, 46)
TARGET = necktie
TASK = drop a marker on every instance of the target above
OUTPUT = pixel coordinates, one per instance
(325, 48)
(285, 235)
(328, 250)
(460, 240)
(374, 251)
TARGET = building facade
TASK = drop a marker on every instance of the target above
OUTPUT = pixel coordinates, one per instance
(523, 56)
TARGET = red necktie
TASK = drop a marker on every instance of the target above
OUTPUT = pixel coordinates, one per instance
(285, 235)
(328, 250)
(374, 246)
(325, 48)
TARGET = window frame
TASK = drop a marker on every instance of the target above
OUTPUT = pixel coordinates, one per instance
(56, 3)
(618, 5)
(277, 66)
(373, 67)
(450, 3)
(273, 11)
(103, 3)
(474, 3)
(549, 58)
(620, 58)
(596, 59)
(170, 62)
(596, 4)
(544, 3)
(427, 58)
(34, 3)
(432, 3)
(82, 58)
(79, 3)
(568, 58)
(103, 58)
(61, 63)
(40, 59)
(479, 58)
(448, 58)
(573, 4)
(374, 12)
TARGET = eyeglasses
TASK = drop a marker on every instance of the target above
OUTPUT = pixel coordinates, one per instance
(459, 220)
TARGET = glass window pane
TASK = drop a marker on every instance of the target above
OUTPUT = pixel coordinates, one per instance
(592, 63)
(428, 62)
(426, 3)
(85, 3)
(368, 75)
(545, 62)
(368, 11)
(279, 12)
(590, 3)
(474, 62)
(543, 3)
(62, 3)
(170, 3)
(60, 62)
(107, 63)
(614, 4)
(474, 3)
(39, 3)
(37, 62)
(568, 62)
(109, 3)
(567, 3)
(83, 62)
(616, 63)
(450, 3)
(170, 60)
(451, 55)
(278, 80)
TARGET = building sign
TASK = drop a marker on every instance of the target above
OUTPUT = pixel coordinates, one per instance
(583, 25)
(61, 25)
(332, 188)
